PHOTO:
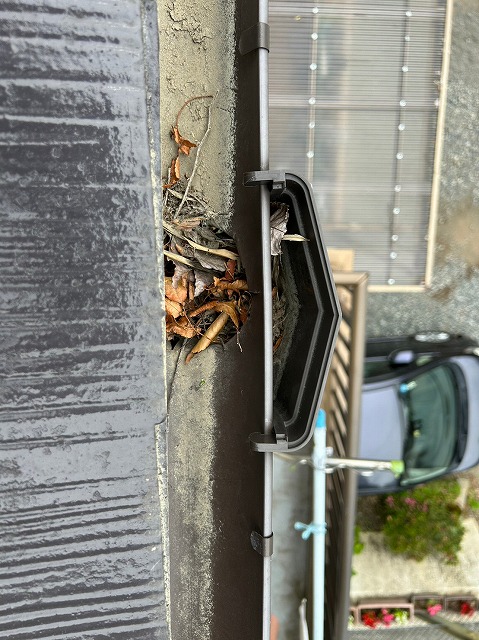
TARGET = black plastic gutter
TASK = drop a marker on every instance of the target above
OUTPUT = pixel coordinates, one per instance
(244, 468)
(243, 478)
(244, 462)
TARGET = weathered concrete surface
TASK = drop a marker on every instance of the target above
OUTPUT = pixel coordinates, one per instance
(215, 481)
(197, 48)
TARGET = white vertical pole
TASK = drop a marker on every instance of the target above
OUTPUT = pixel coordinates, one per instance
(319, 518)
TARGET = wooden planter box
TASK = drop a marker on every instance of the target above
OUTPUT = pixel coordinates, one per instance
(423, 600)
(391, 604)
(453, 603)
(353, 612)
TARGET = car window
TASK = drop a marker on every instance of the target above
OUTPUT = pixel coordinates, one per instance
(384, 366)
(373, 368)
(430, 403)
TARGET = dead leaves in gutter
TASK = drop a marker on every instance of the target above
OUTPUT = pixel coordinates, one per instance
(208, 298)
(206, 291)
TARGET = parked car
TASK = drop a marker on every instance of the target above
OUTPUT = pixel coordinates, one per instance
(420, 404)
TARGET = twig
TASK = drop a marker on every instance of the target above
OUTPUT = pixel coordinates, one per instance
(198, 151)
(165, 199)
(177, 194)
(177, 258)
(295, 237)
(224, 253)
(187, 103)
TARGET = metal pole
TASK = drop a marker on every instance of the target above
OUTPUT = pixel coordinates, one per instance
(319, 518)
(263, 16)
(364, 467)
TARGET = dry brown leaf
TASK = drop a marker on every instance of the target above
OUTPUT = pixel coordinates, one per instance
(183, 249)
(182, 272)
(184, 332)
(174, 173)
(243, 314)
(210, 334)
(227, 307)
(209, 261)
(173, 308)
(230, 270)
(181, 327)
(277, 343)
(230, 309)
(278, 222)
(236, 285)
(176, 294)
(202, 281)
(183, 144)
(204, 307)
(189, 224)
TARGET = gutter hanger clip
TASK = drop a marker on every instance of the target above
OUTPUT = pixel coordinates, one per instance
(255, 37)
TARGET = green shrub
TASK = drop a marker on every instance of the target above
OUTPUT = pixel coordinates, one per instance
(473, 503)
(424, 522)
(358, 545)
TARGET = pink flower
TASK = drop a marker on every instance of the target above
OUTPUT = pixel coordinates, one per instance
(410, 502)
(390, 501)
(433, 609)
(387, 617)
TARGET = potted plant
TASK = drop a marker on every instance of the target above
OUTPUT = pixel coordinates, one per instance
(430, 602)
(373, 613)
(465, 604)
(385, 617)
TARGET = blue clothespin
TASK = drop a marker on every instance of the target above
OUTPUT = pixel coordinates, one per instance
(310, 529)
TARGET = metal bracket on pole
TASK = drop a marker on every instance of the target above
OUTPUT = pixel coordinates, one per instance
(256, 37)
(262, 545)
(275, 180)
(271, 442)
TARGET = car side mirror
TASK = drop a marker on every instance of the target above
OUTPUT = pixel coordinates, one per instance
(401, 358)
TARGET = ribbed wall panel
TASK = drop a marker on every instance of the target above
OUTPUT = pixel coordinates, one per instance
(354, 98)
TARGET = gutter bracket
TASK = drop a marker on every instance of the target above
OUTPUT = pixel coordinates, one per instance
(255, 37)
(278, 439)
(275, 180)
(270, 442)
(263, 546)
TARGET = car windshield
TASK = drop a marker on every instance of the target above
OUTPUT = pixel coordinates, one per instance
(430, 402)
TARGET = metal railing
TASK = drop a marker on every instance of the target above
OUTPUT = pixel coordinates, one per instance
(342, 402)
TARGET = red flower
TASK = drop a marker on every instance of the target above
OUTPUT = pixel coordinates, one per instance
(369, 619)
(467, 609)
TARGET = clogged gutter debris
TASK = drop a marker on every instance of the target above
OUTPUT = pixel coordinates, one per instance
(206, 291)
